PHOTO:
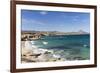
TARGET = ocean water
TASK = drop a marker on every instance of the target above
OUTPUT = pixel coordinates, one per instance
(70, 47)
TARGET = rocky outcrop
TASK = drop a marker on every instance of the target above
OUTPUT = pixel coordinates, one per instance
(34, 54)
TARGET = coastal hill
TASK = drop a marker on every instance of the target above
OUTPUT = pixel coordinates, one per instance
(80, 32)
(33, 35)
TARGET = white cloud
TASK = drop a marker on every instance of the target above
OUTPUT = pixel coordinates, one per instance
(43, 12)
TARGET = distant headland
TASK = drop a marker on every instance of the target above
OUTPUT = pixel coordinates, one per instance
(33, 35)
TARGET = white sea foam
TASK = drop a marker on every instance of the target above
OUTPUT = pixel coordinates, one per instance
(33, 46)
(33, 42)
(85, 45)
(45, 43)
(56, 56)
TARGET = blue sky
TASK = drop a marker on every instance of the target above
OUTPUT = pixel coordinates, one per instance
(54, 21)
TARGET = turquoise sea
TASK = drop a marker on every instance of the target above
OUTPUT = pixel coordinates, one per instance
(70, 47)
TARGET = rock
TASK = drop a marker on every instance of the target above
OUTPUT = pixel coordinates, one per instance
(30, 53)
(26, 51)
(46, 52)
(52, 60)
(43, 57)
(35, 55)
(27, 60)
(79, 58)
(28, 45)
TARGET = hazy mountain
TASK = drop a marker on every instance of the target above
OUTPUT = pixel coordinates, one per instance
(80, 32)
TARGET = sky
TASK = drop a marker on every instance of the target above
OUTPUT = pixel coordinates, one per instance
(54, 21)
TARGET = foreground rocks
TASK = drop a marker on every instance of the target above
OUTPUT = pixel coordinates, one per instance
(34, 54)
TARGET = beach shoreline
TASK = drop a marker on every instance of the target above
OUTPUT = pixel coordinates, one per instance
(30, 53)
